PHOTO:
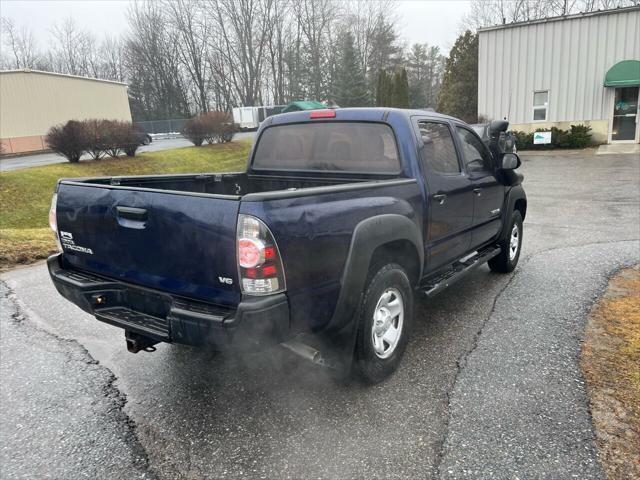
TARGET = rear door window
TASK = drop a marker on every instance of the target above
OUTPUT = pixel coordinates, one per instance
(328, 146)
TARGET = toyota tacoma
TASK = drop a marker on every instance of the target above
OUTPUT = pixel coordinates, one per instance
(341, 218)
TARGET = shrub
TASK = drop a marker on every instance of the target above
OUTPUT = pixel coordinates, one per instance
(214, 127)
(69, 140)
(95, 136)
(133, 139)
(580, 136)
(524, 140)
(195, 130)
(220, 127)
(118, 136)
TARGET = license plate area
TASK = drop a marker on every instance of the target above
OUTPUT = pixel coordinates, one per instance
(135, 310)
(135, 321)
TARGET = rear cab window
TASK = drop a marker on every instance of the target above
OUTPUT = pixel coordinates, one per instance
(353, 147)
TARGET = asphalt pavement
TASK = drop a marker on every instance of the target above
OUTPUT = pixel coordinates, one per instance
(489, 387)
(40, 159)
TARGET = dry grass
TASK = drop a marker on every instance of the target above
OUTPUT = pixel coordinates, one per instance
(611, 365)
(25, 195)
(26, 245)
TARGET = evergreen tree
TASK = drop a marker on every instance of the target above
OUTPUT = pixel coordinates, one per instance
(417, 59)
(459, 94)
(392, 89)
(401, 89)
(385, 51)
(382, 89)
(350, 84)
(425, 66)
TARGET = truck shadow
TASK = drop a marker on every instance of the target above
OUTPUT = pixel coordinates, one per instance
(440, 324)
(272, 406)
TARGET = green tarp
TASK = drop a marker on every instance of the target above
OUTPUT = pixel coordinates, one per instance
(303, 105)
(623, 74)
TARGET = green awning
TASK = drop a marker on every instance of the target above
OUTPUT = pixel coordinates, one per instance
(623, 74)
(303, 105)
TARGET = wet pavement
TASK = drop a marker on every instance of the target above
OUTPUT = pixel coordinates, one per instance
(489, 386)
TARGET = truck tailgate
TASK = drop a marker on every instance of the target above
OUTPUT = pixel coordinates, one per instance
(178, 243)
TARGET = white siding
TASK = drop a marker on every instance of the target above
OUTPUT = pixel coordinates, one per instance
(568, 57)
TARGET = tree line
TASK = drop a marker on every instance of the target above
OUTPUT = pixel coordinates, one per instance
(183, 57)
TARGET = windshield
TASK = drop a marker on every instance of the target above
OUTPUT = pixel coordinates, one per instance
(328, 146)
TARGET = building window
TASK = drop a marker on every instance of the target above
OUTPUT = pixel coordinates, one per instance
(540, 104)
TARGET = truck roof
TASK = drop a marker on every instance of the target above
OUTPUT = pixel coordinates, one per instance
(371, 114)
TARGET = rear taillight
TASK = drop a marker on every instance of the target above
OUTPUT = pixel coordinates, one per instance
(259, 263)
(53, 220)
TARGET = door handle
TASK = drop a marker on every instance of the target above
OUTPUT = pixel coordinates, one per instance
(132, 213)
(440, 198)
(477, 191)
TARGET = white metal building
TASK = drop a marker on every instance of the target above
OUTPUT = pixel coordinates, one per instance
(563, 71)
(31, 102)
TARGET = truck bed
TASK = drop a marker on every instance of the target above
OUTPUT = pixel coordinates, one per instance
(227, 184)
(175, 233)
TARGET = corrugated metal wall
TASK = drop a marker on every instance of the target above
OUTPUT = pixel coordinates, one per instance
(567, 57)
(32, 102)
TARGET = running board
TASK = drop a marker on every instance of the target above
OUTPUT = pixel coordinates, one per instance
(435, 285)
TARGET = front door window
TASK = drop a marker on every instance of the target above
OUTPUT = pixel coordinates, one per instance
(625, 111)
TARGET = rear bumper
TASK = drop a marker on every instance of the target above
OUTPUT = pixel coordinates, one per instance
(256, 322)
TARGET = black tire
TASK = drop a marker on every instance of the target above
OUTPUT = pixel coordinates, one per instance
(369, 365)
(505, 263)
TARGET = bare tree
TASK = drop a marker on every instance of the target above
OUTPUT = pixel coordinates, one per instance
(191, 24)
(20, 43)
(113, 62)
(492, 12)
(278, 38)
(74, 49)
(315, 18)
(244, 29)
(157, 87)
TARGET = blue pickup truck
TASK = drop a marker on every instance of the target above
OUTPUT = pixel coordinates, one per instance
(340, 219)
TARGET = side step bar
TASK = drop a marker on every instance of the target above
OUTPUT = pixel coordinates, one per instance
(435, 285)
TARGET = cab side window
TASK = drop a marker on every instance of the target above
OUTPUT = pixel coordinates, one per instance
(438, 151)
(476, 156)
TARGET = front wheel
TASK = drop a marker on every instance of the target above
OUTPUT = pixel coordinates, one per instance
(386, 315)
(508, 258)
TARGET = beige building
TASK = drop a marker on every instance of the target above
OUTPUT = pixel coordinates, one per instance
(563, 71)
(32, 101)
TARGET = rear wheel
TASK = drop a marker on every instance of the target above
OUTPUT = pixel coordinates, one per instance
(385, 319)
(511, 245)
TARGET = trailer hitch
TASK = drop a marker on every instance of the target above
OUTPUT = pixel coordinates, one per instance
(137, 342)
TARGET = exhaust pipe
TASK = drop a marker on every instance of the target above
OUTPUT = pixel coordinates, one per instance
(305, 351)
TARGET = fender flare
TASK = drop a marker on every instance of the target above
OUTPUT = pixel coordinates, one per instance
(513, 195)
(368, 235)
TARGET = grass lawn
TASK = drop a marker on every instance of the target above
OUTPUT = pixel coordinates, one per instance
(25, 195)
(611, 365)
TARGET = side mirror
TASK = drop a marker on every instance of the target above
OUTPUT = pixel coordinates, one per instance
(497, 126)
(510, 161)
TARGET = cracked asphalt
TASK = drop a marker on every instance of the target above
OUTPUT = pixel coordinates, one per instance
(489, 387)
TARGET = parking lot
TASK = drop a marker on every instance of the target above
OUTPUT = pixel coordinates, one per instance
(490, 386)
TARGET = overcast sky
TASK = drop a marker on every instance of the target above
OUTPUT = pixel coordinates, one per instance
(431, 21)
